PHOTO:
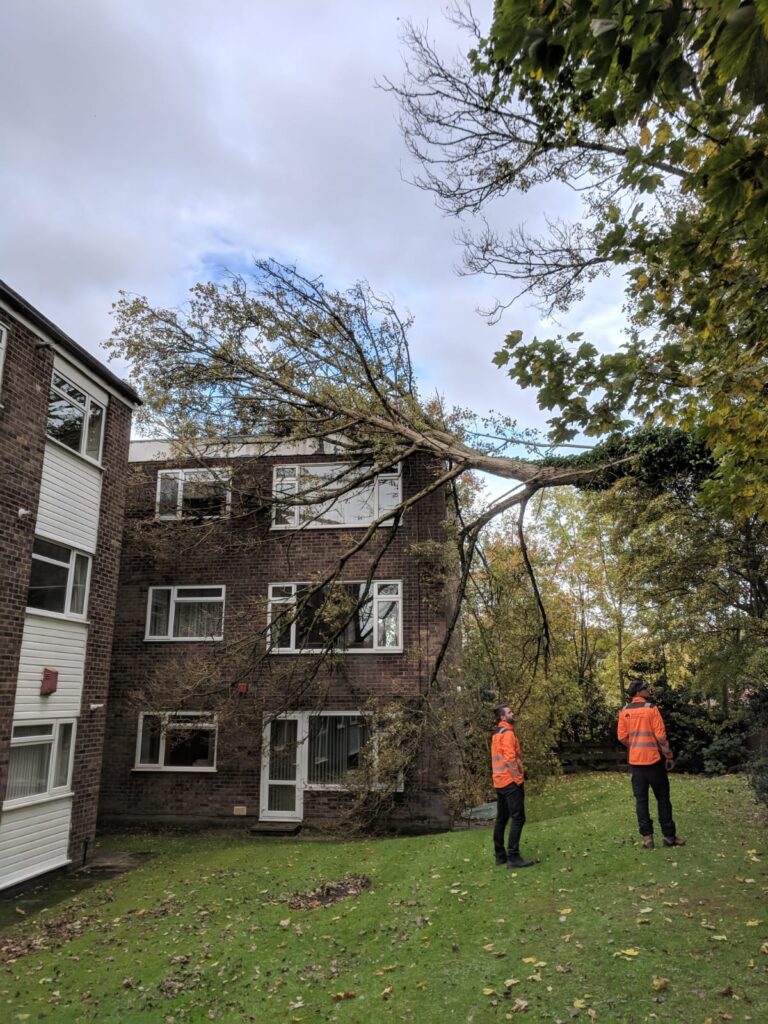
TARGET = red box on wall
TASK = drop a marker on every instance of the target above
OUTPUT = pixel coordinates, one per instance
(49, 682)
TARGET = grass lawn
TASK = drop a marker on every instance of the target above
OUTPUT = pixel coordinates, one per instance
(599, 930)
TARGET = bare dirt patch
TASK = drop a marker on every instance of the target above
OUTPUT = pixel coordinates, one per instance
(328, 893)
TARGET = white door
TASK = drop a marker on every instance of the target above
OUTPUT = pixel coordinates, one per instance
(282, 789)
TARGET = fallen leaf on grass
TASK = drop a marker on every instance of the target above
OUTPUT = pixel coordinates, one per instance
(753, 923)
(719, 938)
(764, 948)
(520, 1006)
(510, 982)
(387, 992)
(627, 954)
(660, 984)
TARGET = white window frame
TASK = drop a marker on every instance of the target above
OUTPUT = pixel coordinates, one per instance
(3, 350)
(174, 601)
(86, 408)
(285, 602)
(208, 721)
(324, 787)
(182, 475)
(51, 792)
(73, 554)
(301, 782)
(283, 486)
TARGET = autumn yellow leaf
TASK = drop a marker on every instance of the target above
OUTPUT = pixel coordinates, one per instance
(753, 923)
(660, 984)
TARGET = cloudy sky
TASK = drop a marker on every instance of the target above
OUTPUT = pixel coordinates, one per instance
(149, 144)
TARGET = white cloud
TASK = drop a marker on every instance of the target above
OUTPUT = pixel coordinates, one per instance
(148, 145)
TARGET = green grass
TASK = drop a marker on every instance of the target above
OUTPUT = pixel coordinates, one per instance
(199, 931)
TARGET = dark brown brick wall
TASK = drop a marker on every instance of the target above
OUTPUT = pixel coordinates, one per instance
(24, 400)
(101, 613)
(246, 556)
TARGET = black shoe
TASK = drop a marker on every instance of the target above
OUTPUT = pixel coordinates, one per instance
(501, 861)
(519, 862)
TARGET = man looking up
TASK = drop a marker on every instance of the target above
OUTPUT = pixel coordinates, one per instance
(641, 729)
(508, 781)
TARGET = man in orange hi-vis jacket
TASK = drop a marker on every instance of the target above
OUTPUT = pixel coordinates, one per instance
(509, 783)
(641, 729)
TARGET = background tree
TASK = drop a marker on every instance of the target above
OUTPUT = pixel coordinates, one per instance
(656, 113)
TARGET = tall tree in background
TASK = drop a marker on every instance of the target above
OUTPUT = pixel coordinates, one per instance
(656, 113)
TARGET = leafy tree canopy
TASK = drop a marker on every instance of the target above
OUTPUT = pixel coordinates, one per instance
(657, 113)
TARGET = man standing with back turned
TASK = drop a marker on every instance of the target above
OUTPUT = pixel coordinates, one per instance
(641, 730)
(508, 781)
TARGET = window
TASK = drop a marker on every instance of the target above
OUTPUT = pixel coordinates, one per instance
(352, 617)
(176, 741)
(185, 613)
(193, 493)
(40, 760)
(358, 506)
(58, 580)
(74, 418)
(335, 743)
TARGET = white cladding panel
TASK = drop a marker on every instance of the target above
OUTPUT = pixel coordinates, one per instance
(70, 498)
(51, 643)
(34, 839)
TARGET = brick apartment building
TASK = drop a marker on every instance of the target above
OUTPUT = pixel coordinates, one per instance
(64, 433)
(219, 709)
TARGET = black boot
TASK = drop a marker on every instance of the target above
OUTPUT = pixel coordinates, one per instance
(519, 862)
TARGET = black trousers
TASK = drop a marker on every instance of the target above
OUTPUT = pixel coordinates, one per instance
(653, 776)
(510, 807)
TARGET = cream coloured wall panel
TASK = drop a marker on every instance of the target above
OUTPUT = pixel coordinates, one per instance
(48, 642)
(34, 839)
(70, 499)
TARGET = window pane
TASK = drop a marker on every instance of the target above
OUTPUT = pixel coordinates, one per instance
(197, 619)
(49, 550)
(320, 616)
(48, 586)
(69, 389)
(65, 421)
(20, 731)
(283, 735)
(189, 748)
(79, 585)
(358, 634)
(335, 742)
(63, 753)
(357, 506)
(28, 770)
(95, 428)
(389, 493)
(168, 497)
(188, 592)
(149, 751)
(159, 613)
(285, 514)
(280, 623)
(281, 798)
(388, 624)
(387, 588)
(204, 494)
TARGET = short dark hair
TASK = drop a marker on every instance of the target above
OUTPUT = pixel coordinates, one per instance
(498, 713)
(635, 686)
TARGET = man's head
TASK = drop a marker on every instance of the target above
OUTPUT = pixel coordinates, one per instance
(504, 713)
(638, 688)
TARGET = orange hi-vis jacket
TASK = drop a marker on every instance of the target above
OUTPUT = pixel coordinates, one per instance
(506, 757)
(641, 730)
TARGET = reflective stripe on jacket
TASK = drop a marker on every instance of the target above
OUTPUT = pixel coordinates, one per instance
(506, 757)
(641, 730)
